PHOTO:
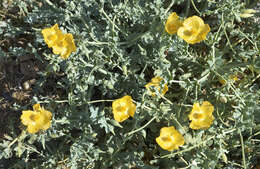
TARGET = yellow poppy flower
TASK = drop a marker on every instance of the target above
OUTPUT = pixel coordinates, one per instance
(193, 30)
(38, 119)
(173, 23)
(155, 83)
(123, 108)
(52, 35)
(170, 139)
(65, 46)
(201, 115)
(61, 44)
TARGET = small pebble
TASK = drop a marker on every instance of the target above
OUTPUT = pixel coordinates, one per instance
(223, 99)
(26, 85)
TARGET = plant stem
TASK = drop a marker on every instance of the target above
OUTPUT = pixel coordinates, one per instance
(194, 6)
(187, 9)
(132, 132)
(195, 146)
(188, 149)
(243, 149)
(169, 7)
(97, 101)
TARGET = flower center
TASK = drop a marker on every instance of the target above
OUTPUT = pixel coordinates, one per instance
(187, 33)
(197, 115)
(166, 139)
(120, 108)
(33, 117)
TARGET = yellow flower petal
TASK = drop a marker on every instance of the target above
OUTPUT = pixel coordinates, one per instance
(173, 23)
(37, 107)
(52, 35)
(65, 46)
(59, 48)
(170, 139)
(46, 125)
(203, 32)
(123, 108)
(70, 42)
(165, 89)
(193, 30)
(33, 128)
(47, 114)
(62, 44)
(207, 107)
(38, 119)
(25, 118)
(155, 84)
(156, 80)
(201, 116)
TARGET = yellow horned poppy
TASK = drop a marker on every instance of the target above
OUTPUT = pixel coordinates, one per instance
(170, 139)
(61, 44)
(52, 35)
(193, 30)
(65, 46)
(201, 115)
(123, 108)
(38, 119)
(155, 84)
